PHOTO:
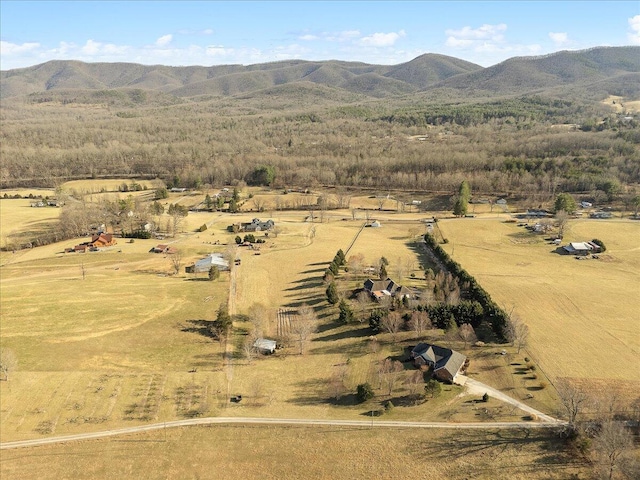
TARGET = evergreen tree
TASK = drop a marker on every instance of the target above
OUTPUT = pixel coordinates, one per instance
(332, 293)
(346, 314)
(564, 201)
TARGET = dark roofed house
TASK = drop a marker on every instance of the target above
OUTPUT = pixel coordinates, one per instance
(257, 225)
(379, 289)
(446, 363)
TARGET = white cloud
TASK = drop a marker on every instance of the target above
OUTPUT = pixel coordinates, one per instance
(164, 40)
(207, 31)
(382, 39)
(559, 38)
(8, 48)
(484, 32)
(344, 36)
(634, 34)
(91, 48)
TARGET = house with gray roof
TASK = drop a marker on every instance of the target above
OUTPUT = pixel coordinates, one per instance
(446, 363)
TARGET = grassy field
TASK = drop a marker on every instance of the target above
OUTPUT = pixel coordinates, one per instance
(583, 315)
(127, 344)
(297, 452)
(21, 222)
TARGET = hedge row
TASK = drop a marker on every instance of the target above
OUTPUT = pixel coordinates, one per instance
(491, 312)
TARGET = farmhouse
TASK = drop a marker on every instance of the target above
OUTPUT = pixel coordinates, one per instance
(162, 248)
(446, 363)
(205, 264)
(380, 289)
(102, 240)
(256, 225)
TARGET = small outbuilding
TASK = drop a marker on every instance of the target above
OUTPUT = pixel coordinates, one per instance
(264, 345)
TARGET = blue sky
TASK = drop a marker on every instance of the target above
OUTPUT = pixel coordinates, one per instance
(245, 32)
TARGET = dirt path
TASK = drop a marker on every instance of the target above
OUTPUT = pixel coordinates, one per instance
(477, 388)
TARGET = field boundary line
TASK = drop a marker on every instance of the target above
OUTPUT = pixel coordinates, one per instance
(355, 238)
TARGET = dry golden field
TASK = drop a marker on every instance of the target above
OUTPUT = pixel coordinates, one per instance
(583, 315)
(274, 452)
(21, 222)
(119, 347)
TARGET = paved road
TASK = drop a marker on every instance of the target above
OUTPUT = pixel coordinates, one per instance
(373, 423)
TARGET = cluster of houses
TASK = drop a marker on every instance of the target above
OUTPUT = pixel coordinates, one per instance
(52, 202)
(98, 240)
(255, 225)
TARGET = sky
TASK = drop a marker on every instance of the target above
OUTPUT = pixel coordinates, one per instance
(247, 32)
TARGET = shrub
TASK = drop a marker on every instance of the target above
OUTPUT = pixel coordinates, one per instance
(600, 243)
(388, 406)
(543, 385)
(485, 397)
(203, 227)
(364, 392)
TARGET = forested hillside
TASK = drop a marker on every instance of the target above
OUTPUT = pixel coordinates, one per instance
(423, 125)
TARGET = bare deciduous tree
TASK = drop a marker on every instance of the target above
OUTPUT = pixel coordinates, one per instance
(562, 218)
(467, 334)
(611, 444)
(574, 400)
(419, 322)
(259, 203)
(176, 262)
(304, 326)
(355, 263)
(517, 331)
(392, 323)
(364, 300)
(415, 383)
(390, 371)
(248, 348)
(8, 362)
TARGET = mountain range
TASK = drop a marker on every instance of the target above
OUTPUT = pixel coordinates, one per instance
(597, 71)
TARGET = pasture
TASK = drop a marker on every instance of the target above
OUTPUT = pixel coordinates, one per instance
(128, 344)
(21, 222)
(271, 452)
(583, 315)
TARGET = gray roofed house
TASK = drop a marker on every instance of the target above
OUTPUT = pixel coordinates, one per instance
(446, 363)
(257, 225)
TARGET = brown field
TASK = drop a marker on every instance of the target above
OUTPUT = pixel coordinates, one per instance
(21, 222)
(276, 452)
(579, 312)
(117, 348)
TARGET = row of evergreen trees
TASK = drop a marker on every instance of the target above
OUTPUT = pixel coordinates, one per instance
(479, 307)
